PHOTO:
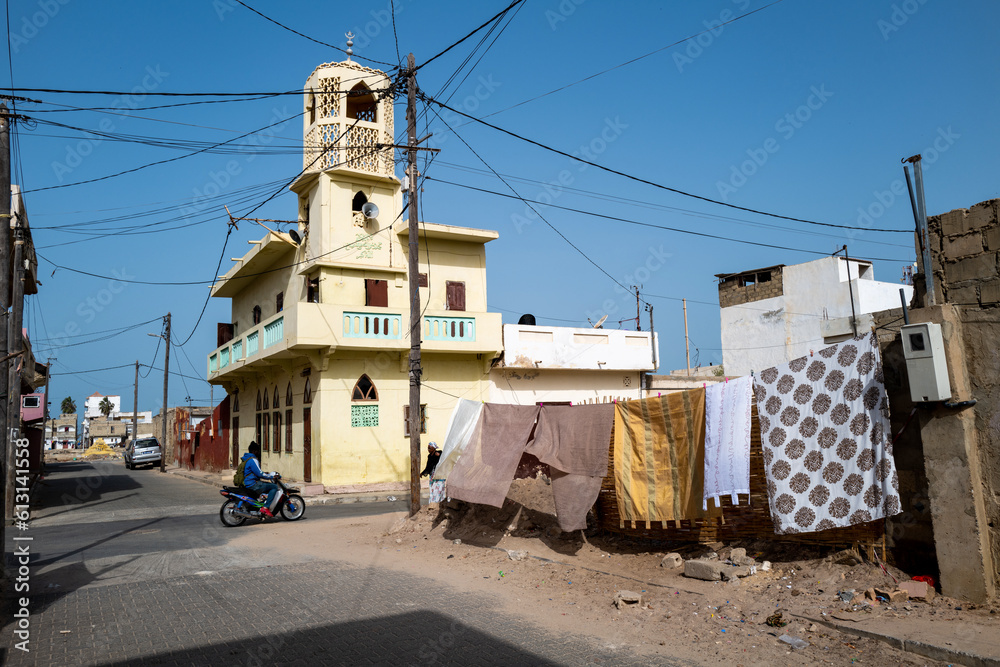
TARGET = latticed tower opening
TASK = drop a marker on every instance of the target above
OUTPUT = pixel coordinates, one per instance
(348, 116)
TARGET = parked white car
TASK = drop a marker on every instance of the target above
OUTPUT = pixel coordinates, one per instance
(141, 452)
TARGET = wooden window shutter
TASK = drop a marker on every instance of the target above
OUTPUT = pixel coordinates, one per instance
(377, 293)
(456, 295)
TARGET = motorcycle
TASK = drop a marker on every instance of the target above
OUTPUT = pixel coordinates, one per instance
(242, 504)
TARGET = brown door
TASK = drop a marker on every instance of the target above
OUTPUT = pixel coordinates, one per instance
(456, 295)
(307, 444)
(377, 293)
(236, 442)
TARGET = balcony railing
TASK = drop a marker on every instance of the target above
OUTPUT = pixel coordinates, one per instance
(450, 328)
(237, 350)
(373, 325)
(213, 363)
(252, 344)
(274, 332)
(223, 357)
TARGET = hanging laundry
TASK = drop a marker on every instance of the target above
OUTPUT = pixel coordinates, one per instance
(824, 426)
(727, 440)
(573, 440)
(460, 427)
(660, 458)
(485, 470)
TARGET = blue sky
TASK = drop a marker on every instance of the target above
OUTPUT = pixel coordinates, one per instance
(802, 109)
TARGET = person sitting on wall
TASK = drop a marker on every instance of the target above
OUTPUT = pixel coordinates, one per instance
(253, 478)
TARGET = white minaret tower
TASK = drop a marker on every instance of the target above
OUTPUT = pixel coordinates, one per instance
(347, 124)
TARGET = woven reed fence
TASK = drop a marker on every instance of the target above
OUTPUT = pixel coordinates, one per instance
(744, 521)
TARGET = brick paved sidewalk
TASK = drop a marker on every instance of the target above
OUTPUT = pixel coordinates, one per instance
(320, 613)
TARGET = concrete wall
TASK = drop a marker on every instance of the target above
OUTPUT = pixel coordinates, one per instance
(519, 386)
(534, 347)
(962, 446)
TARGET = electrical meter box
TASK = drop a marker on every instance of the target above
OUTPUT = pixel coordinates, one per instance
(923, 348)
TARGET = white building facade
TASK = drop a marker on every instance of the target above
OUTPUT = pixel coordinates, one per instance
(571, 365)
(775, 314)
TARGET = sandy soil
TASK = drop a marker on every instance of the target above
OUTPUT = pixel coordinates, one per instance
(569, 583)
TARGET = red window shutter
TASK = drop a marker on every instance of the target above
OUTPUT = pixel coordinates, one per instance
(377, 293)
(456, 295)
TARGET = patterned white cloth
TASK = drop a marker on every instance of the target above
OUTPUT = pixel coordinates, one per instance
(727, 440)
(436, 491)
(824, 427)
(460, 427)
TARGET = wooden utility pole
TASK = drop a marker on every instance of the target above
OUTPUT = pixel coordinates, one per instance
(687, 343)
(16, 341)
(135, 409)
(166, 372)
(5, 200)
(413, 278)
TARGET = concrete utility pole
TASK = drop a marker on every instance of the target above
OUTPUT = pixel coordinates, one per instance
(45, 405)
(687, 342)
(166, 372)
(16, 340)
(5, 201)
(135, 408)
(638, 310)
(413, 277)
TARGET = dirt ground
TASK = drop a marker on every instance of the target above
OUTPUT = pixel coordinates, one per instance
(568, 582)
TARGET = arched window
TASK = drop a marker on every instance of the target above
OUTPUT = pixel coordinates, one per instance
(288, 396)
(359, 200)
(266, 406)
(274, 401)
(258, 400)
(361, 104)
(307, 392)
(364, 390)
(236, 400)
(256, 314)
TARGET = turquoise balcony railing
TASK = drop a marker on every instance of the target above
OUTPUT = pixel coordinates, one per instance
(237, 350)
(450, 328)
(373, 325)
(213, 363)
(252, 344)
(223, 357)
(274, 332)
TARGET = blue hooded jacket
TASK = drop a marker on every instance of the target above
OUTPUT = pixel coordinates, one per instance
(252, 473)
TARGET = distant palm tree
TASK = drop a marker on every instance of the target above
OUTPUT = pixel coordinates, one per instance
(68, 406)
(106, 406)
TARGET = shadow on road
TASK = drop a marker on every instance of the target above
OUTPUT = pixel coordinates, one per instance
(426, 637)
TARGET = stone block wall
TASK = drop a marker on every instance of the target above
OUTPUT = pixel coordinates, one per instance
(734, 290)
(965, 251)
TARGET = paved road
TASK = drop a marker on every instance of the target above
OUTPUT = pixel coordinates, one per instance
(139, 570)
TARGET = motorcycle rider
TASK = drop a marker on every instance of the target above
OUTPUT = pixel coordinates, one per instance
(253, 478)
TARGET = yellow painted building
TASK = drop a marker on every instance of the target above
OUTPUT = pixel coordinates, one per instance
(316, 357)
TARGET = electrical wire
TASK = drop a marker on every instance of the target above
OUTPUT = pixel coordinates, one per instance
(649, 224)
(528, 204)
(453, 45)
(660, 186)
(281, 25)
(159, 162)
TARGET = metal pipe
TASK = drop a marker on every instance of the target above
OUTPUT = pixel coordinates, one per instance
(906, 311)
(925, 243)
(850, 291)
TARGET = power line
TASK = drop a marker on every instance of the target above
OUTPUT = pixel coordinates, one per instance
(159, 162)
(646, 181)
(649, 224)
(453, 45)
(634, 60)
(292, 30)
(528, 204)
